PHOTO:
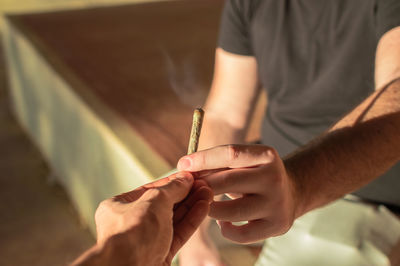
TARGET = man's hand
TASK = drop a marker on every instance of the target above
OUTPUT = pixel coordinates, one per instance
(148, 225)
(254, 177)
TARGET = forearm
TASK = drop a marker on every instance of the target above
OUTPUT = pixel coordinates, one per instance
(92, 256)
(359, 148)
(216, 131)
(231, 100)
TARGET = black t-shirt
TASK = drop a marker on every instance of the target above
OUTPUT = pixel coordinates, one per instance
(316, 61)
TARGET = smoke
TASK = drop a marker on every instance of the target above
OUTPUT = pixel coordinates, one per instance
(184, 80)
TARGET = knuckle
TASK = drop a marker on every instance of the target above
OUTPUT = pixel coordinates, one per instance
(275, 179)
(273, 153)
(154, 193)
(272, 180)
(178, 183)
(105, 210)
(104, 206)
(282, 228)
(282, 224)
(269, 155)
(233, 152)
(200, 160)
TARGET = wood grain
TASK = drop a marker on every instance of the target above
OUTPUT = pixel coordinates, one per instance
(149, 63)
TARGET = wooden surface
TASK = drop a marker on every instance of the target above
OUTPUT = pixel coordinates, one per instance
(30, 208)
(149, 63)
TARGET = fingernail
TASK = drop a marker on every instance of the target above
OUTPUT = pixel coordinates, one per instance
(184, 164)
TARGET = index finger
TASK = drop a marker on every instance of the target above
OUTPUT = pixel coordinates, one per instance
(227, 156)
(178, 187)
(135, 194)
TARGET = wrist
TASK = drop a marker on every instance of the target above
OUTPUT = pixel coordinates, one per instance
(296, 188)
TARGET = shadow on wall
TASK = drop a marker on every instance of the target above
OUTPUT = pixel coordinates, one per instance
(96, 169)
(31, 6)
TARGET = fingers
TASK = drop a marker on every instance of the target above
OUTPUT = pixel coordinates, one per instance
(159, 182)
(231, 156)
(188, 225)
(189, 215)
(201, 174)
(251, 232)
(200, 191)
(245, 180)
(174, 186)
(237, 210)
(175, 190)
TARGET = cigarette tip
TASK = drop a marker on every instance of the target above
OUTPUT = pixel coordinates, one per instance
(200, 110)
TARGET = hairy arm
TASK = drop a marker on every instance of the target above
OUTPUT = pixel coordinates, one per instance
(361, 146)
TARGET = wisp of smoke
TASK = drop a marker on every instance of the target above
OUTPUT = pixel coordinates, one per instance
(184, 80)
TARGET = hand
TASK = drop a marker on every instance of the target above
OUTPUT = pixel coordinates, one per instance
(148, 225)
(255, 178)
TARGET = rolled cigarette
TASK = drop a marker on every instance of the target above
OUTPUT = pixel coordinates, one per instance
(196, 129)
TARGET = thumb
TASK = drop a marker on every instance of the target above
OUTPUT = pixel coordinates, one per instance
(178, 186)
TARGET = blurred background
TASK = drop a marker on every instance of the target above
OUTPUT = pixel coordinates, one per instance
(96, 98)
(38, 225)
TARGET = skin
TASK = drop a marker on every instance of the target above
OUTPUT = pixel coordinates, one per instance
(271, 192)
(147, 226)
(222, 127)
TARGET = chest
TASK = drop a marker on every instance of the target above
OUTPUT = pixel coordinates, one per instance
(302, 40)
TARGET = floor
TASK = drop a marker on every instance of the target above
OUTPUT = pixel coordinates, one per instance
(38, 224)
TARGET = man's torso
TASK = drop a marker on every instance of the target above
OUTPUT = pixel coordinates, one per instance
(316, 61)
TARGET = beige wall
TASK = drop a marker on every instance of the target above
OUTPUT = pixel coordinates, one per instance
(22, 6)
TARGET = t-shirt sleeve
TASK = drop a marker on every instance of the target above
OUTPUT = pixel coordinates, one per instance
(234, 34)
(387, 16)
